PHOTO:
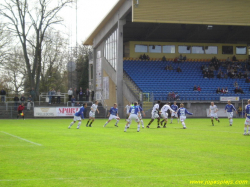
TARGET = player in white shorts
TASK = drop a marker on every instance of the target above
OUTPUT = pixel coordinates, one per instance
(140, 113)
(213, 113)
(155, 114)
(247, 121)
(229, 109)
(182, 113)
(174, 114)
(92, 111)
(127, 107)
(79, 116)
(113, 114)
(164, 114)
(133, 115)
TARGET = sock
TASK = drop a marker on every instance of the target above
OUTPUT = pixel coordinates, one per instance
(171, 120)
(218, 120)
(231, 121)
(87, 122)
(126, 127)
(165, 124)
(183, 124)
(116, 122)
(245, 130)
(212, 121)
(142, 122)
(162, 120)
(129, 123)
(158, 122)
(249, 129)
(71, 123)
(138, 127)
(105, 124)
(79, 124)
(90, 123)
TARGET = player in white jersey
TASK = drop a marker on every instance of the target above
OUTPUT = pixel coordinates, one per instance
(164, 114)
(174, 114)
(92, 111)
(213, 113)
(126, 109)
(247, 116)
(155, 114)
(182, 113)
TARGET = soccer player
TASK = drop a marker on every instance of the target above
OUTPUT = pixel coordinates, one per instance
(247, 116)
(229, 109)
(174, 114)
(139, 115)
(213, 111)
(127, 107)
(155, 114)
(182, 113)
(134, 111)
(20, 110)
(164, 114)
(92, 111)
(113, 114)
(78, 116)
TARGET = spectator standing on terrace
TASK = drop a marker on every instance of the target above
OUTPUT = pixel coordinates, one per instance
(3, 95)
(22, 99)
(218, 90)
(53, 93)
(73, 101)
(164, 59)
(29, 101)
(184, 58)
(50, 96)
(234, 58)
(16, 101)
(87, 94)
(58, 93)
(180, 58)
(92, 95)
(33, 93)
(226, 90)
(170, 67)
(70, 93)
(205, 75)
(167, 68)
(80, 94)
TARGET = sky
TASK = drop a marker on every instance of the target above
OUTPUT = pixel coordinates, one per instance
(89, 14)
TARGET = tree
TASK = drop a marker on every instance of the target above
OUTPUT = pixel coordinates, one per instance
(32, 18)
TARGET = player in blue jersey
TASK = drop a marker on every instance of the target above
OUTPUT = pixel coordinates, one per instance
(78, 116)
(139, 115)
(133, 115)
(113, 114)
(174, 114)
(182, 113)
(229, 110)
(247, 116)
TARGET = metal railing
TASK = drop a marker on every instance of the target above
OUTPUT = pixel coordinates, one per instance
(45, 96)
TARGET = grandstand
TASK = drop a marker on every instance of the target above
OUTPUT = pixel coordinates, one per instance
(151, 77)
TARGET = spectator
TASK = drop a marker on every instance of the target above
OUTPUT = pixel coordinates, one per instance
(205, 75)
(184, 58)
(170, 67)
(218, 90)
(75, 93)
(247, 80)
(73, 100)
(80, 94)
(234, 58)
(225, 76)
(22, 99)
(92, 95)
(180, 58)
(236, 90)
(58, 100)
(77, 104)
(33, 93)
(241, 91)
(70, 93)
(87, 94)
(198, 88)
(164, 59)
(50, 96)
(170, 96)
(173, 96)
(175, 59)
(236, 84)
(16, 101)
(53, 93)
(195, 88)
(3, 95)
(167, 68)
(29, 101)
(179, 69)
(222, 90)
(177, 97)
(226, 90)
(239, 110)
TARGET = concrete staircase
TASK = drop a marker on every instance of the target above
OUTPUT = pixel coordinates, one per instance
(132, 86)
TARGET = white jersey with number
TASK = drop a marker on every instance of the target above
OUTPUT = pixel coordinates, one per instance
(213, 109)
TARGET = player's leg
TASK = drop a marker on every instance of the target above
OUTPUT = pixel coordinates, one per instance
(182, 119)
(74, 120)
(93, 119)
(138, 125)
(88, 122)
(79, 124)
(212, 120)
(142, 123)
(106, 123)
(152, 119)
(23, 115)
(158, 122)
(117, 121)
(127, 124)
(230, 118)
(166, 121)
(176, 115)
(217, 119)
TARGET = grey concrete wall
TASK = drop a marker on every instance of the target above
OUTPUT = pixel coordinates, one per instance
(128, 94)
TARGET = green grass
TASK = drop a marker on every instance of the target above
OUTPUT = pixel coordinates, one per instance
(108, 156)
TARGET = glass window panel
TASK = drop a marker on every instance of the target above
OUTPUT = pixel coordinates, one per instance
(197, 49)
(184, 49)
(155, 49)
(241, 50)
(227, 50)
(141, 48)
(211, 49)
(168, 49)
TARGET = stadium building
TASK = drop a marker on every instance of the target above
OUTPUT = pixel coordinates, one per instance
(199, 30)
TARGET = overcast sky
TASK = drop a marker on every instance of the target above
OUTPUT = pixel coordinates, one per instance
(89, 14)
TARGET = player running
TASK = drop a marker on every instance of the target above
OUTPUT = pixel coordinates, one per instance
(247, 121)
(113, 114)
(139, 115)
(134, 111)
(213, 113)
(182, 113)
(164, 114)
(79, 116)
(229, 109)
(127, 107)
(92, 111)
(174, 114)
(155, 114)
(20, 110)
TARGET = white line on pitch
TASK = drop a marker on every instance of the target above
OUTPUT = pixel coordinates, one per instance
(22, 138)
(125, 177)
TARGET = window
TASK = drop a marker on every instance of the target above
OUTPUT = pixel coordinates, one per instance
(184, 49)
(141, 48)
(227, 50)
(168, 49)
(155, 49)
(110, 49)
(197, 49)
(241, 50)
(211, 49)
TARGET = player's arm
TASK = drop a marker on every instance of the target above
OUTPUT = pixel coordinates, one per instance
(188, 112)
(109, 112)
(143, 113)
(235, 110)
(97, 110)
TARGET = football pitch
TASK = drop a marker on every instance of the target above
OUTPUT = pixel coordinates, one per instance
(44, 152)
